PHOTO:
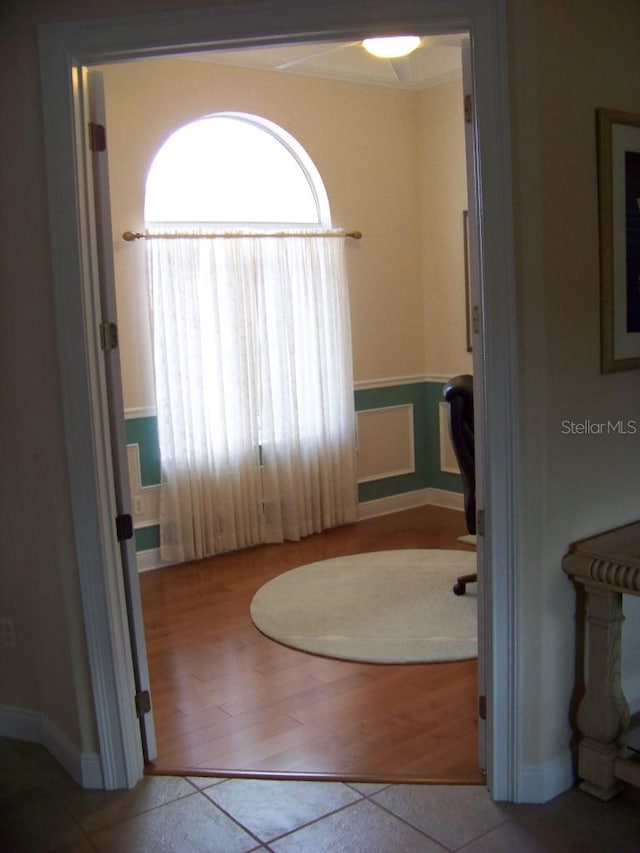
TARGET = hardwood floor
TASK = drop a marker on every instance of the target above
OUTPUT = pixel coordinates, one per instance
(229, 701)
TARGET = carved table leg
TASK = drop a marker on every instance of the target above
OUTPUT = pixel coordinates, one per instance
(603, 714)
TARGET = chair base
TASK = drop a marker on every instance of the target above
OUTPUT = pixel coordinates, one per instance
(461, 584)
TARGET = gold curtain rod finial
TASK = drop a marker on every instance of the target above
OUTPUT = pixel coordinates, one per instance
(130, 236)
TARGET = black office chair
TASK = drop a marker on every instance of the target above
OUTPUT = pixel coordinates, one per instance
(458, 392)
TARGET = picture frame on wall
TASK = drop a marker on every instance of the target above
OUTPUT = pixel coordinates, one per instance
(618, 151)
(467, 280)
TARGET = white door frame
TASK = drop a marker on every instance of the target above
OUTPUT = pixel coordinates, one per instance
(64, 49)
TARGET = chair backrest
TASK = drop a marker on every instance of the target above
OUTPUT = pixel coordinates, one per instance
(458, 392)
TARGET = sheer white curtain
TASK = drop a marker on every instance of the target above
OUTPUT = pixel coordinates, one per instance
(254, 390)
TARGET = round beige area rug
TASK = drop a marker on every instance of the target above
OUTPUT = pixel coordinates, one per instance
(379, 607)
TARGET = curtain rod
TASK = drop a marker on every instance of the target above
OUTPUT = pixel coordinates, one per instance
(130, 236)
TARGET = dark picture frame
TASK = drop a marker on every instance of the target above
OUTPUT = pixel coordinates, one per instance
(467, 280)
(618, 150)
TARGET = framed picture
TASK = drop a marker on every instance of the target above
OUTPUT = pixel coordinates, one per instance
(619, 216)
(467, 279)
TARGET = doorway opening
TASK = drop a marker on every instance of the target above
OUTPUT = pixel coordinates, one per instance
(75, 287)
(433, 96)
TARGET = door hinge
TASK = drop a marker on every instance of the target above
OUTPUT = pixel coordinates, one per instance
(143, 703)
(97, 137)
(468, 109)
(482, 707)
(480, 522)
(108, 336)
(124, 527)
(476, 323)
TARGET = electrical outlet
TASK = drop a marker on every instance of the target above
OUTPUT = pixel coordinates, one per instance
(7, 632)
(138, 505)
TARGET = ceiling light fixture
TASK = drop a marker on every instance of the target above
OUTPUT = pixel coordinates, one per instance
(391, 47)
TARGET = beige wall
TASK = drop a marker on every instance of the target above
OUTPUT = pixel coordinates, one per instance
(566, 59)
(443, 191)
(46, 672)
(367, 143)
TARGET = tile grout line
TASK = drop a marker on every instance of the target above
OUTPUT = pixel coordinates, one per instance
(56, 805)
(364, 797)
(195, 792)
(308, 823)
(137, 814)
(484, 834)
(233, 819)
(413, 826)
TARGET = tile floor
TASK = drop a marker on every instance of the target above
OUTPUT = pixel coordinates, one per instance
(42, 809)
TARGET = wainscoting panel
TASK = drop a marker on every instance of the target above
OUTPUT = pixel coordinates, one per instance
(145, 499)
(143, 458)
(448, 461)
(405, 456)
(386, 444)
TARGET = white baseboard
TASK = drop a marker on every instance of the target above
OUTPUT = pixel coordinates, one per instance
(394, 503)
(32, 726)
(410, 500)
(149, 560)
(539, 783)
(449, 500)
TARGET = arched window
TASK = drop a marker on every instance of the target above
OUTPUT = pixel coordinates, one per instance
(235, 169)
(251, 339)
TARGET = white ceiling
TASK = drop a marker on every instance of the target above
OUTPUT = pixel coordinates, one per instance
(437, 60)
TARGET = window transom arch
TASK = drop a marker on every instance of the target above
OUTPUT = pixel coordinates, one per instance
(235, 169)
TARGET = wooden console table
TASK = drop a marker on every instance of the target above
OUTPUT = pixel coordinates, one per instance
(608, 567)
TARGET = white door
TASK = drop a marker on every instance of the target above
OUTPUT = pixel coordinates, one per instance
(474, 269)
(92, 87)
